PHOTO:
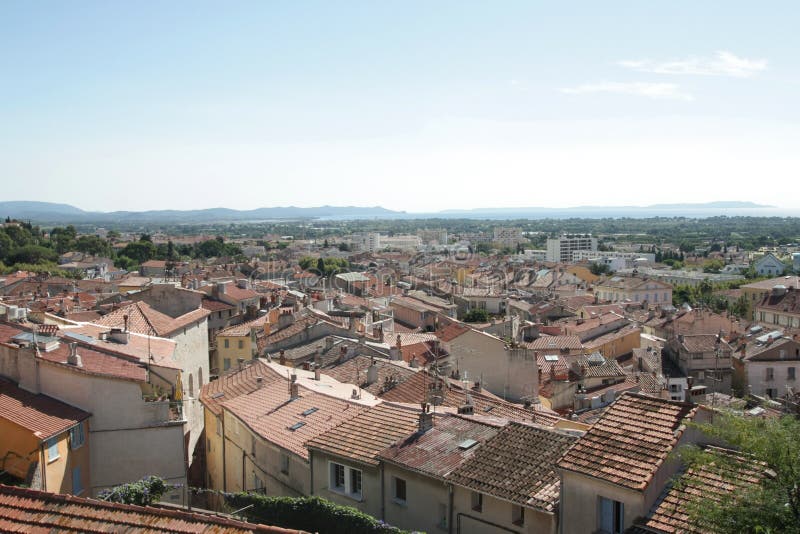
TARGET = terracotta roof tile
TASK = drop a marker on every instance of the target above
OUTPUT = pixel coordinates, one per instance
(389, 374)
(630, 441)
(733, 472)
(144, 319)
(436, 452)
(270, 413)
(364, 436)
(235, 383)
(517, 465)
(44, 416)
(27, 510)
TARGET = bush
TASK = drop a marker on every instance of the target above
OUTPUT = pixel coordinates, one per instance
(313, 514)
(143, 493)
(476, 316)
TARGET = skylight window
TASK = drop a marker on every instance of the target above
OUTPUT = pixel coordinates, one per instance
(310, 411)
(297, 426)
(551, 357)
(467, 444)
(218, 395)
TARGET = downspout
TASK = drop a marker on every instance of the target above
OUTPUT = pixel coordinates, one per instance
(311, 468)
(561, 505)
(450, 509)
(383, 495)
(224, 458)
(244, 468)
(44, 467)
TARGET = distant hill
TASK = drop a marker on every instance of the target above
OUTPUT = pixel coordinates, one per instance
(52, 213)
(47, 212)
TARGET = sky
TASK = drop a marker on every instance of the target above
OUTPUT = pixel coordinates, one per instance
(414, 106)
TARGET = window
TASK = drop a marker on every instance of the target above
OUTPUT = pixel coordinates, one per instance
(772, 393)
(355, 482)
(226, 364)
(52, 449)
(517, 515)
(345, 480)
(611, 516)
(442, 523)
(337, 477)
(770, 373)
(241, 344)
(219, 426)
(285, 464)
(77, 483)
(790, 373)
(227, 343)
(477, 501)
(76, 437)
(191, 385)
(399, 493)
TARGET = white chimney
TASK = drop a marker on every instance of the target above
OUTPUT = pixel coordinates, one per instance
(372, 373)
(74, 358)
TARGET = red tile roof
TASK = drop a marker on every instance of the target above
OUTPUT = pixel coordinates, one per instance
(437, 453)
(517, 465)
(215, 305)
(32, 511)
(144, 319)
(364, 436)
(231, 385)
(630, 441)
(44, 416)
(732, 472)
(270, 413)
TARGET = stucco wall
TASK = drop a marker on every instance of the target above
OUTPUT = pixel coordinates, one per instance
(496, 513)
(370, 501)
(424, 495)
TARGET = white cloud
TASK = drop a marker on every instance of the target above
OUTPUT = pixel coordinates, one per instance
(669, 91)
(722, 63)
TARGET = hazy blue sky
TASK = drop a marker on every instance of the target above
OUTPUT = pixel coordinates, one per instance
(409, 105)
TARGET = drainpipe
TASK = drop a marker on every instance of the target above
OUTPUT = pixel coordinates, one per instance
(311, 468)
(450, 509)
(44, 467)
(224, 458)
(383, 495)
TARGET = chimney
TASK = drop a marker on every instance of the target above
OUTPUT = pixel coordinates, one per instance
(372, 373)
(125, 319)
(317, 372)
(260, 381)
(425, 418)
(282, 358)
(352, 324)
(241, 363)
(74, 358)
(119, 336)
(294, 388)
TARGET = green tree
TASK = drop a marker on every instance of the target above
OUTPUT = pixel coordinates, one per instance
(33, 254)
(139, 251)
(770, 506)
(476, 316)
(143, 492)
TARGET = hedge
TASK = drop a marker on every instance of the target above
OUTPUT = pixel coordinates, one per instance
(312, 514)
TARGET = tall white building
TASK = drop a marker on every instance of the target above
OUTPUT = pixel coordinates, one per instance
(561, 248)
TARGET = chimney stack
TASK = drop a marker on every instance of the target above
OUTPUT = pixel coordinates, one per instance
(372, 373)
(282, 358)
(294, 387)
(74, 358)
(425, 418)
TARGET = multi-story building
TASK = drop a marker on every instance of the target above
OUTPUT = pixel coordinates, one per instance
(561, 248)
(781, 307)
(769, 368)
(631, 289)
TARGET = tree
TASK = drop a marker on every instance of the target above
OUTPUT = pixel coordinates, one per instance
(143, 492)
(773, 505)
(33, 254)
(476, 316)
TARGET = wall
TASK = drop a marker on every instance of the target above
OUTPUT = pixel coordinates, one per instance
(506, 372)
(423, 497)
(370, 501)
(579, 502)
(496, 513)
(214, 451)
(19, 441)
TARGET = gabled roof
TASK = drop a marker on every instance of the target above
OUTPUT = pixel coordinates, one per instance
(440, 450)
(144, 319)
(517, 465)
(732, 473)
(44, 416)
(269, 412)
(389, 374)
(235, 383)
(630, 441)
(243, 329)
(555, 343)
(364, 436)
(27, 510)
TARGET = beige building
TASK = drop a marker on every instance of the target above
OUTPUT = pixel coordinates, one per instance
(755, 292)
(768, 369)
(631, 289)
(611, 477)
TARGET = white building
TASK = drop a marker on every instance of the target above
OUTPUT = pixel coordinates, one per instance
(561, 248)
